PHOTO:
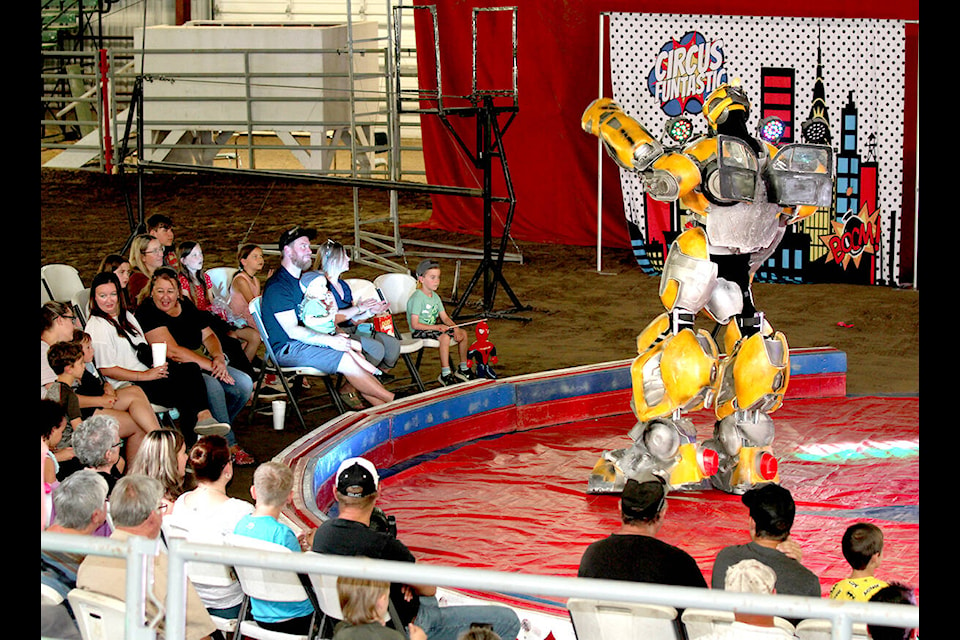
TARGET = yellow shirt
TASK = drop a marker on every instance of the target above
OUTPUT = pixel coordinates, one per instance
(859, 589)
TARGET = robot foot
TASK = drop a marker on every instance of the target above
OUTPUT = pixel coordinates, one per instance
(606, 477)
(751, 467)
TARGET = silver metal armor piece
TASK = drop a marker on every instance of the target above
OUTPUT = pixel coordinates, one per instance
(696, 278)
(726, 301)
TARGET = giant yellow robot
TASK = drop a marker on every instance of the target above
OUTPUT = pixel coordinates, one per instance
(741, 192)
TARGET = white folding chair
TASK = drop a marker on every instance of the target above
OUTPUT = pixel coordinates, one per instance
(817, 629)
(61, 281)
(271, 364)
(325, 588)
(702, 622)
(81, 305)
(397, 289)
(267, 584)
(361, 289)
(203, 573)
(99, 617)
(49, 595)
(608, 620)
(221, 278)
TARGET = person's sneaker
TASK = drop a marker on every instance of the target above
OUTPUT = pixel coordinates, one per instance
(465, 374)
(243, 459)
(385, 377)
(449, 379)
(271, 388)
(211, 427)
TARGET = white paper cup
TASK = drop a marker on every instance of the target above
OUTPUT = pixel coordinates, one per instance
(279, 413)
(159, 353)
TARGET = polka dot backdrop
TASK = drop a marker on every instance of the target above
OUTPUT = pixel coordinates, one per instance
(862, 56)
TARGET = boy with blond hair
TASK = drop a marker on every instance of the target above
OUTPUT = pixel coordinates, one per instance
(862, 546)
(429, 320)
(272, 489)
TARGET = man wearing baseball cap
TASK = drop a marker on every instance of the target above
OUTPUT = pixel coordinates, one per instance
(633, 553)
(297, 345)
(350, 534)
(772, 510)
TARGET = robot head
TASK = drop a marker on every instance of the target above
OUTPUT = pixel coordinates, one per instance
(721, 103)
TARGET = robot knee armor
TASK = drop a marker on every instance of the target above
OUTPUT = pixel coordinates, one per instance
(754, 377)
(673, 371)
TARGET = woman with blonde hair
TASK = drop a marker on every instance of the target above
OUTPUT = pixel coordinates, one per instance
(163, 456)
(146, 256)
(170, 319)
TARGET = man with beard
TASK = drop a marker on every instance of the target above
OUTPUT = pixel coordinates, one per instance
(297, 345)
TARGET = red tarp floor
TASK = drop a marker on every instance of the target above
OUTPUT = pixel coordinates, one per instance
(518, 502)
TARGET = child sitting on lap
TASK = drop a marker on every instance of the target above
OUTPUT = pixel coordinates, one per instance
(318, 312)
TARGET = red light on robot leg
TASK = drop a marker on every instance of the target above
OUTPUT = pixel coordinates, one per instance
(767, 466)
(709, 462)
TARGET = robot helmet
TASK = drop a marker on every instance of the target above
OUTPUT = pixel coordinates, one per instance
(725, 99)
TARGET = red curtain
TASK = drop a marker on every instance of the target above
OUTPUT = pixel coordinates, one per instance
(552, 162)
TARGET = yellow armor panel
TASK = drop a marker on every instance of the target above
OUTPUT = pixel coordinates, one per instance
(702, 149)
(732, 335)
(754, 376)
(677, 372)
(756, 465)
(624, 138)
(722, 101)
(684, 171)
(656, 330)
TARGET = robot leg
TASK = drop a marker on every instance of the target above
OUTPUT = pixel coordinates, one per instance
(752, 382)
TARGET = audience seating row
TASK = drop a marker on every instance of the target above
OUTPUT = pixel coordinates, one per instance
(609, 620)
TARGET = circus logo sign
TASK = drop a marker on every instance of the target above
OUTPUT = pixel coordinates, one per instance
(853, 237)
(685, 72)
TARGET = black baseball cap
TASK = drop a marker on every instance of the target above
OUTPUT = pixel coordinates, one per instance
(426, 265)
(357, 472)
(290, 235)
(642, 500)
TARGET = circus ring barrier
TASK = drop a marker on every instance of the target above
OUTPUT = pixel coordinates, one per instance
(456, 415)
(408, 431)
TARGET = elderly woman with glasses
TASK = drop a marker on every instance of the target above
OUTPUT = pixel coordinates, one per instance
(96, 444)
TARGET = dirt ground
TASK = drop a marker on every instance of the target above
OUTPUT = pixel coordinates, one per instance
(577, 316)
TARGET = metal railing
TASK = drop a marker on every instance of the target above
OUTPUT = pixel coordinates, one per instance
(239, 114)
(841, 614)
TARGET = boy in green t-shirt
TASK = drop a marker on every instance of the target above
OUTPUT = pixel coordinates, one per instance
(428, 320)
